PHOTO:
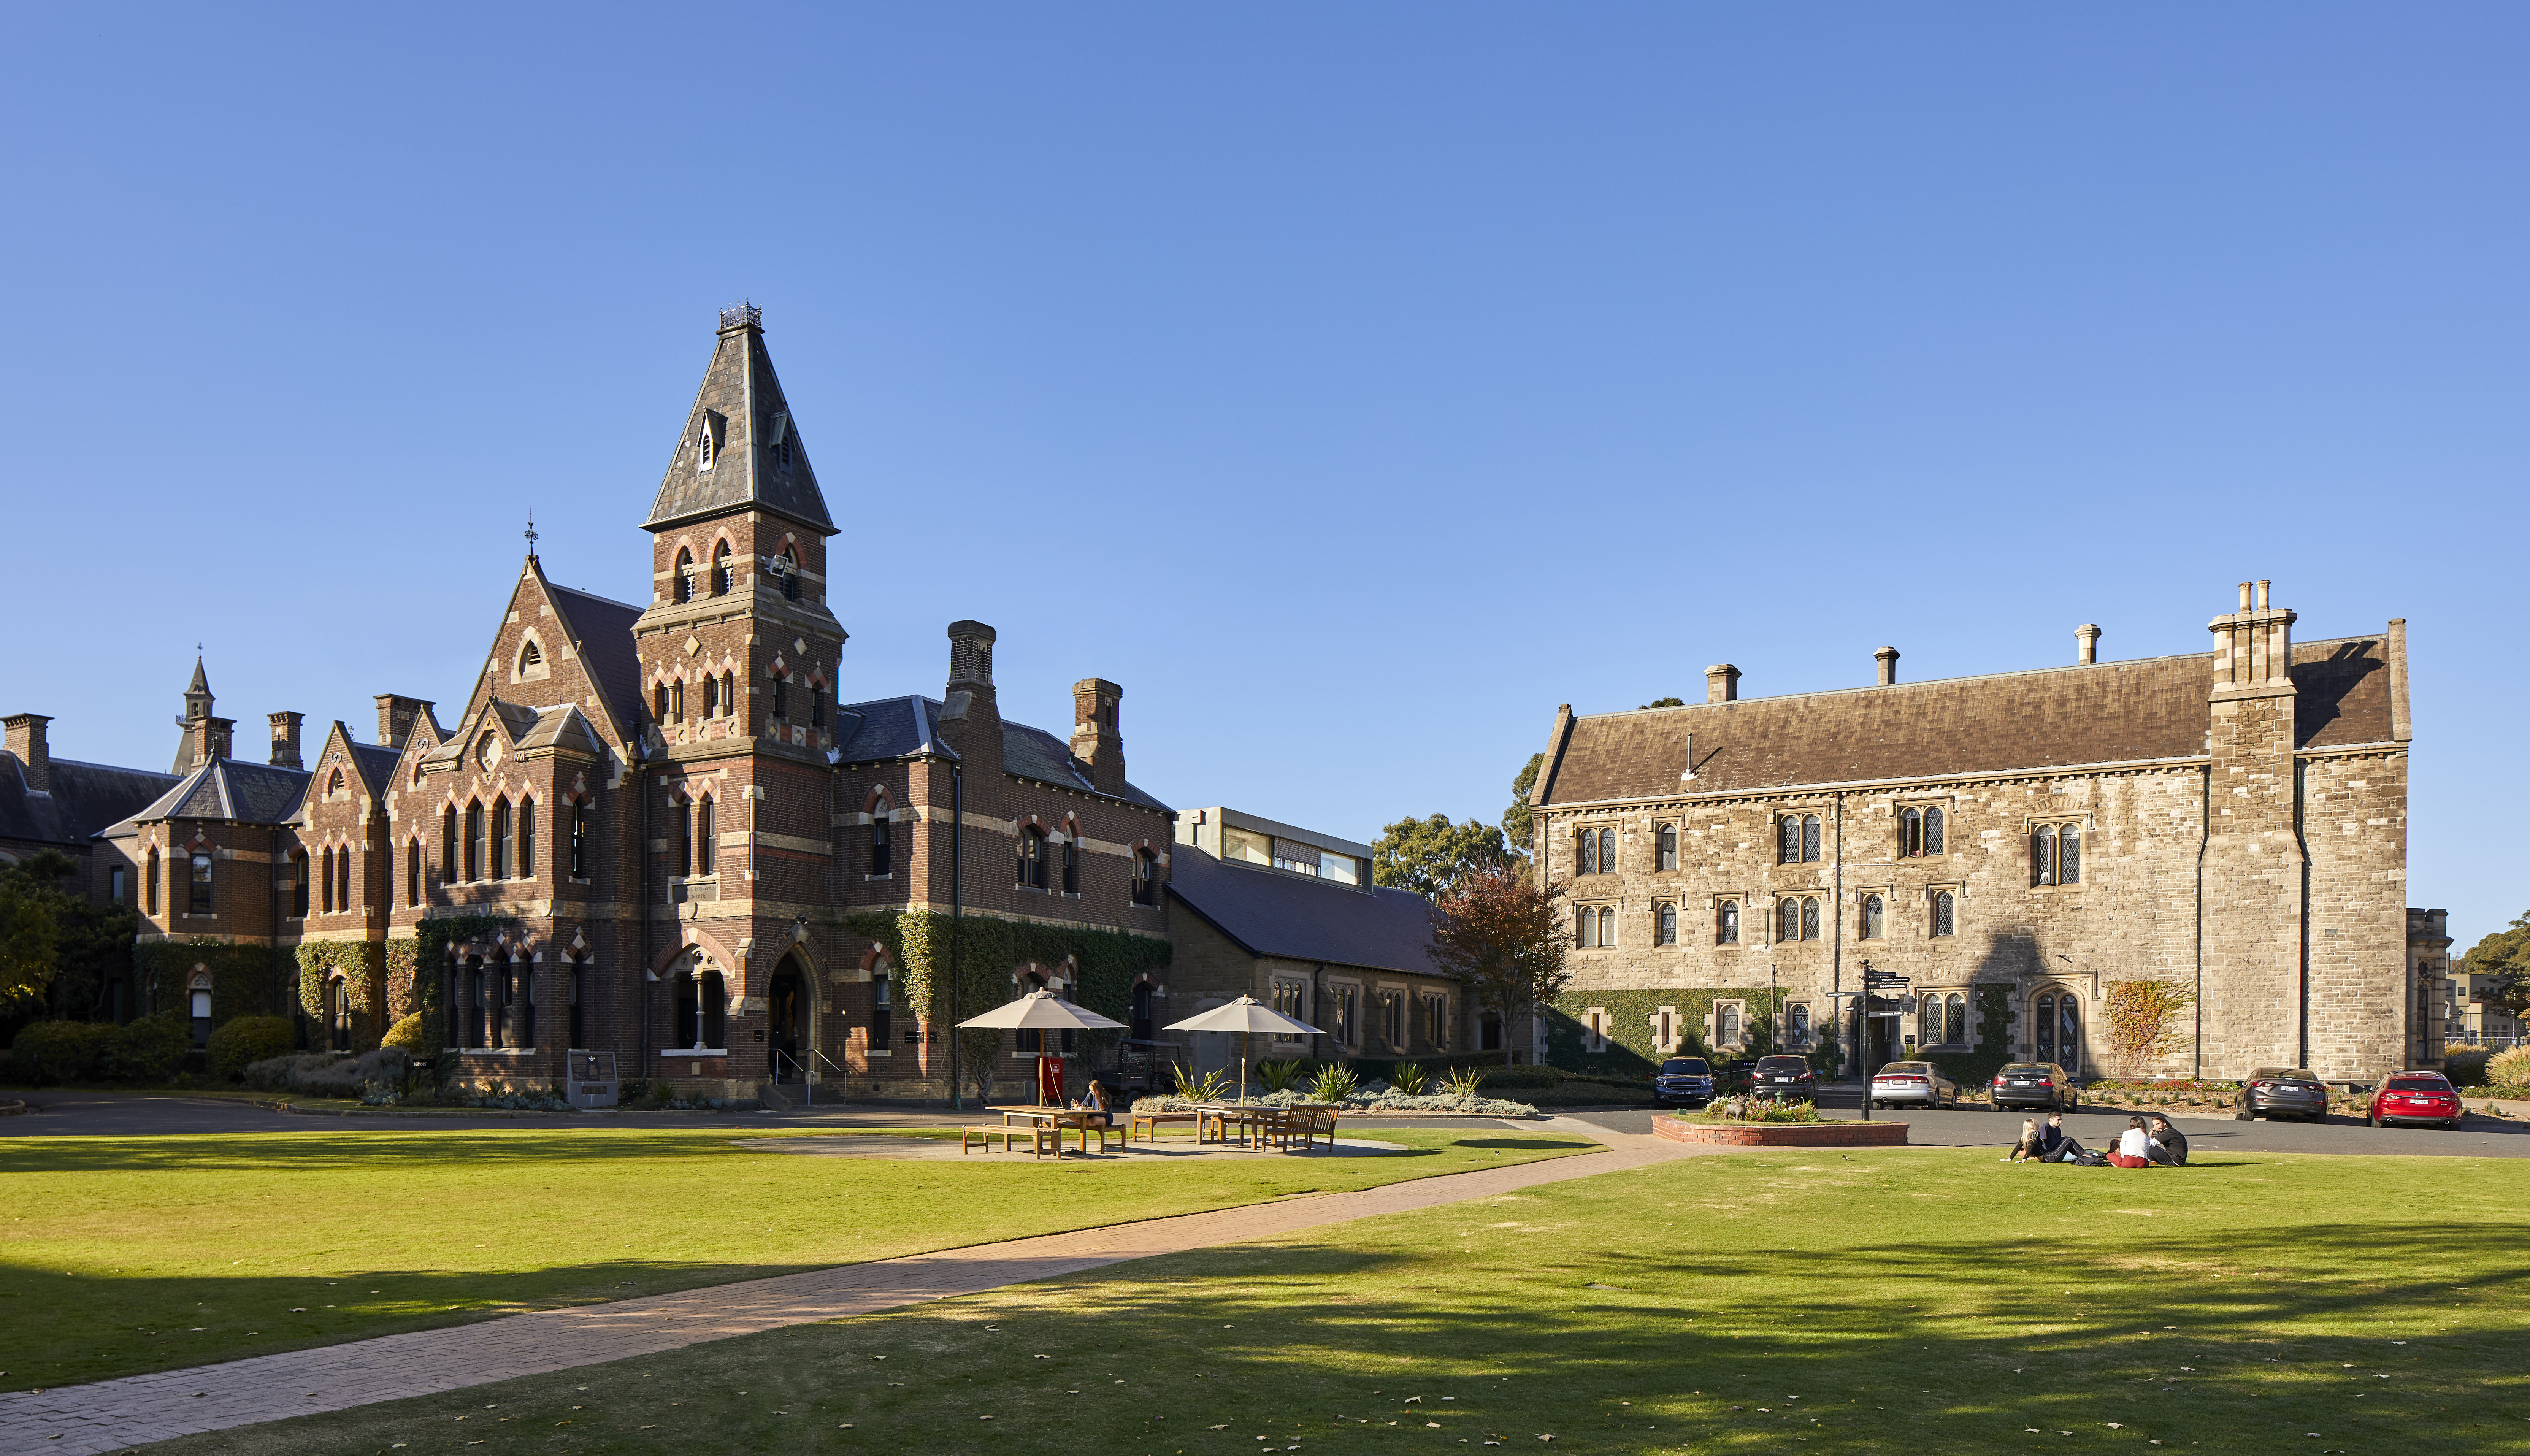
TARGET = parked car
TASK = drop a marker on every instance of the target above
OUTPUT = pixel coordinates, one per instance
(1683, 1082)
(2416, 1097)
(1732, 1077)
(1915, 1083)
(2281, 1091)
(2034, 1084)
(1784, 1079)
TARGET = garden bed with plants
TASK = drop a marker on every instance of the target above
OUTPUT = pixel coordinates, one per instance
(1410, 1089)
(1751, 1122)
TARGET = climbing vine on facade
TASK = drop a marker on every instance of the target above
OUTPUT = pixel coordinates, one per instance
(917, 942)
(2143, 1018)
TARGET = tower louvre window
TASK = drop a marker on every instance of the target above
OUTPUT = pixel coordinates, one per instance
(724, 575)
(681, 581)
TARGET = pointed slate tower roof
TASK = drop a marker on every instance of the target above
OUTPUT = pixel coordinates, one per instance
(741, 444)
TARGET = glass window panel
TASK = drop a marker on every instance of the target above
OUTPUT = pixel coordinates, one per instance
(2047, 1028)
(1943, 915)
(1668, 925)
(1910, 833)
(1669, 846)
(1871, 917)
(1810, 839)
(2068, 1036)
(1727, 1023)
(1607, 851)
(1730, 923)
(2068, 855)
(1933, 832)
(1588, 849)
(1788, 920)
(1301, 859)
(1245, 847)
(1809, 920)
(1343, 869)
(2042, 856)
(1787, 840)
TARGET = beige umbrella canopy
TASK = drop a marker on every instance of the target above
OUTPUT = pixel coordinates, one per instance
(1042, 1010)
(1245, 1015)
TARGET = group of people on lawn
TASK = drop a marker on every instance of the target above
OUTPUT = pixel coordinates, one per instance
(2142, 1144)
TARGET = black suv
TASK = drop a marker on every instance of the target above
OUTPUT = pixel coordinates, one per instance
(1784, 1079)
(1683, 1082)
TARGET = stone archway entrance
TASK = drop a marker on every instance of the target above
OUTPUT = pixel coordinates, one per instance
(786, 1033)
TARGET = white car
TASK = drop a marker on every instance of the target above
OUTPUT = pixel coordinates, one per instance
(1912, 1084)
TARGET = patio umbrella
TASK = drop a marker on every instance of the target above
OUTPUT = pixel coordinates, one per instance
(1245, 1015)
(1042, 1010)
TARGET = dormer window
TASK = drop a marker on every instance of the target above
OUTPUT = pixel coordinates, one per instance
(778, 439)
(708, 437)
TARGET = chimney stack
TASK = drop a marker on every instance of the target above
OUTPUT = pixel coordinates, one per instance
(208, 738)
(2253, 648)
(970, 719)
(2086, 643)
(1721, 683)
(1888, 660)
(285, 740)
(397, 715)
(28, 740)
(1095, 740)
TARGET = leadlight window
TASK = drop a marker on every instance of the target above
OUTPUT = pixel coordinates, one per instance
(1669, 846)
(1873, 918)
(1725, 1023)
(1919, 833)
(706, 837)
(2058, 1021)
(1809, 919)
(1796, 839)
(1586, 852)
(1801, 1026)
(1668, 925)
(1726, 924)
(1796, 919)
(1946, 920)
(1031, 861)
(2055, 854)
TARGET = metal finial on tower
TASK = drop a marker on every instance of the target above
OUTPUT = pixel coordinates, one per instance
(740, 314)
(532, 533)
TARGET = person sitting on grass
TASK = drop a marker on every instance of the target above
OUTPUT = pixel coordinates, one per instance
(2168, 1143)
(2031, 1146)
(2135, 1145)
(2059, 1147)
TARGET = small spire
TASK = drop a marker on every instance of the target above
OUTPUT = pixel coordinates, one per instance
(532, 533)
(201, 683)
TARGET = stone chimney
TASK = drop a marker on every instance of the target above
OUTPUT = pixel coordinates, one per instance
(1721, 683)
(2253, 648)
(1887, 657)
(285, 739)
(28, 740)
(1095, 740)
(397, 715)
(2086, 643)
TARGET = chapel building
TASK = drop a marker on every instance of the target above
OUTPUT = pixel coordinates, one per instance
(2211, 845)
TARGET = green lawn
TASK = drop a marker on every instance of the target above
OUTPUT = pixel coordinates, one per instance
(120, 1255)
(1924, 1301)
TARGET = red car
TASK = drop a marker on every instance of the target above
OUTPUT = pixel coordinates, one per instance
(2416, 1097)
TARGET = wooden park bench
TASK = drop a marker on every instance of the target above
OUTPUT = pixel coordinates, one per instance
(1146, 1125)
(1043, 1138)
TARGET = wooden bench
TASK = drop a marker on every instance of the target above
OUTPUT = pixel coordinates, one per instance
(1308, 1124)
(1146, 1125)
(1042, 1139)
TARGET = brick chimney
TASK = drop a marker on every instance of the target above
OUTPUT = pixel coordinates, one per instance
(28, 740)
(1095, 740)
(208, 738)
(1721, 683)
(1887, 657)
(2086, 644)
(397, 715)
(285, 739)
(970, 717)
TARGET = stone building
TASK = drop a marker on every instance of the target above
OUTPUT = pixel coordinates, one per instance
(1290, 917)
(2213, 846)
(664, 830)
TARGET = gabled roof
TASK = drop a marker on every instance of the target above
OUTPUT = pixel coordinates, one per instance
(902, 727)
(376, 763)
(601, 630)
(1034, 753)
(751, 428)
(1269, 912)
(2037, 722)
(232, 790)
(85, 799)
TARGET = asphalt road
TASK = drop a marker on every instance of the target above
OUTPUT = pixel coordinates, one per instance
(2480, 1137)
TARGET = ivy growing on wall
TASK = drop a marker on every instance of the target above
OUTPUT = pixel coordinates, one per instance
(1630, 1013)
(421, 969)
(246, 980)
(1993, 1041)
(917, 941)
(2143, 1019)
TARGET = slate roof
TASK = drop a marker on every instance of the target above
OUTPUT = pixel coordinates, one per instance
(232, 790)
(1268, 912)
(2051, 719)
(900, 727)
(85, 798)
(376, 763)
(602, 630)
(740, 388)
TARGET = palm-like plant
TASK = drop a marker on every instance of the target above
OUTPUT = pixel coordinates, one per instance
(1409, 1078)
(1278, 1076)
(1465, 1081)
(1204, 1089)
(1334, 1084)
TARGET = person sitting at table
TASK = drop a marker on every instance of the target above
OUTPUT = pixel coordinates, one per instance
(1095, 1106)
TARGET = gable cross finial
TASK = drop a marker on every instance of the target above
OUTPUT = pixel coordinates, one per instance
(532, 533)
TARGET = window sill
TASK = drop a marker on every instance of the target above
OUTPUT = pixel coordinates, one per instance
(686, 1053)
(497, 1051)
(883, 1053)
(890, 875)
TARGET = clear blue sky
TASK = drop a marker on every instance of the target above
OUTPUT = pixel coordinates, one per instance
(1352, 383)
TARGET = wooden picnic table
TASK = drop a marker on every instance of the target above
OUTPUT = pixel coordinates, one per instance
(1214, 1123)
(1058, 1118)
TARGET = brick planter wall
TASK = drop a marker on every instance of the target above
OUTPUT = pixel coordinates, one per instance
(1783, 1134)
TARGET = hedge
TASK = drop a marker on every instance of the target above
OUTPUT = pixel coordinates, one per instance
(151, 1050)
(245, 1039)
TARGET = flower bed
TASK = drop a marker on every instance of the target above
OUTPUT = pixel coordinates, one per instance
(1378, 1097)
(1759, 1109)
(1780, 1134)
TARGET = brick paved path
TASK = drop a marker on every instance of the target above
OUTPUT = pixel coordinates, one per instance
(108, 1416)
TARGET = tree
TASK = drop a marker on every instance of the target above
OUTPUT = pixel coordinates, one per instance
(1505, 937)
(1429, 857)
(1663, 703)
(2504, 956)
(30, 907)
(1515, 828)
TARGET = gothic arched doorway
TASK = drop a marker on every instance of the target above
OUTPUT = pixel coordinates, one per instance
(786, 1033)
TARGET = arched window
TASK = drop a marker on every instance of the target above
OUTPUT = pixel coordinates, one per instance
(149, 883)
(1725, 1023)
(1586, 847)
(476, 856)
(1933, 831)
(882, 1021)
(1801, 1026)
(413, 874)
(707, 836)
(1585, 928)
(503, 833)
(1669, 846)
(1607, 851)
(658, 702)
(729, 694)
(1910, 832)
(448, 846)
(1031, 861)
(1726, 924)
(326, 879)
(882, 859)
(2046, 1019)
(724, 575)
(526, 838)
(338, 1013)
(702, 1009)
(2068, 855)
(1146, 878)
(676, 700)
(680, 582)
(711, 697)
(2069, 1032)
(790, 563)
(343, 881)
(1668, 925)
(1787, 840)
(1957, 1030)
(681, 848)
(1810, 839)
(1607, 925)
(580, 839)
(2042, 855)
(1071, 866)
(1787, 919)
(1944, 914)
(1809, 919)
(1874, 924)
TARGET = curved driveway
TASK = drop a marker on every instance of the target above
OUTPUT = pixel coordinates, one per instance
(2481, 1136)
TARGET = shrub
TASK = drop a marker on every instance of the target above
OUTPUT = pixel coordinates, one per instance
(329, 1073)
(58, 1051)
(1411, 1078)
(1208, 1088)
(1464, 1081)
(1523, 1076)
(1333, 1084)
(405, 1034)
(248, 1039)
(2465, 1068)
(2509, 1068)
(1279, 1076)
(150, 1051)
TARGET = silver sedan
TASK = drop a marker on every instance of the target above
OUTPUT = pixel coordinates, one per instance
(1919, 1084)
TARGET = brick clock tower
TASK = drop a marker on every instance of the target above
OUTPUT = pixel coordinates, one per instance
(738, 659)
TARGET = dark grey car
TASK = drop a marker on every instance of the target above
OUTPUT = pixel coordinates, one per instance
(2281, 1091)
(1683, 1082)
(2034, 1084)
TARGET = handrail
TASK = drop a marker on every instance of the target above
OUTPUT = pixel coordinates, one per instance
(807, 1073)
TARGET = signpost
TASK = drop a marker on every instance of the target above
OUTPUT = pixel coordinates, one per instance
(1875, 984)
